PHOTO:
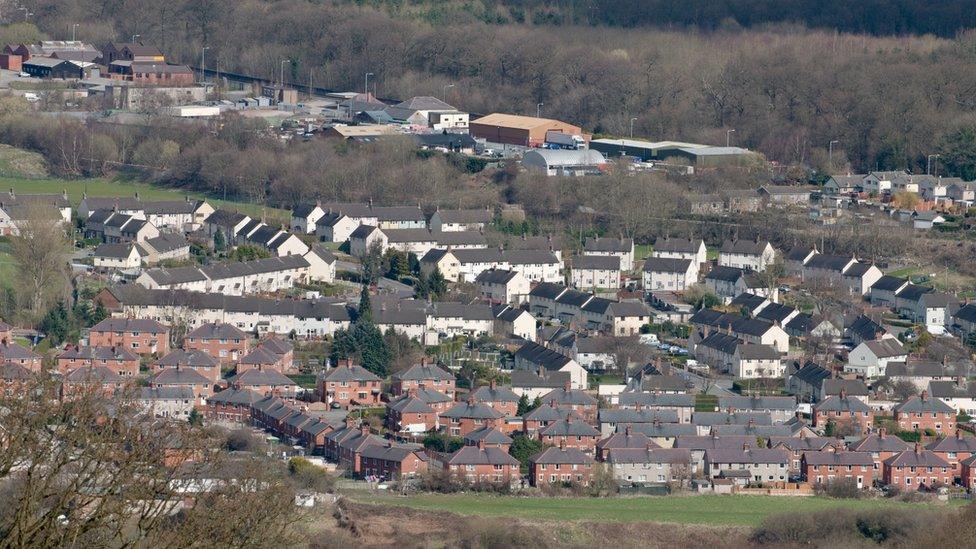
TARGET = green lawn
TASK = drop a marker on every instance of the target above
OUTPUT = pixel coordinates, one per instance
(716, 510)
(642, 251)
(122, 187)
(711, 253)
(904, 272)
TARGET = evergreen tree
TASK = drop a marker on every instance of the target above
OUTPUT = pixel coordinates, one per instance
(374, 353)
(343, 346)
(524, 447)
(56, 324)
(365, 313)
(436, 283)
(220, 241)
(413, 263)
(523, 405)
(399, 265)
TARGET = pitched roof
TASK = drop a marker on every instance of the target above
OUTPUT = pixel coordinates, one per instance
(572, 397)
(424, 372)
(99, 374)
(465, 216)
(886, 348)
(782, 403)
(631, 415)
(597, 244)
(472, 455)
(488, 435)
(889, 283)
(567, 455)
(256, 377)
(666, 265)
(747, 455)
(487, 393)
(836, 403)
(653, 455)
(838, 458)
(879, 442)
(495, 276)
(548, 290)
(916, 458)
(915, 404)
(215, 330)
(570, 428)
(470, 410)
(678, 245)
(353, 372)
(725, 274)
(651, 400)
(129, 325)
(744, 247)
(596, 262)
(542, 356)
(179, 376)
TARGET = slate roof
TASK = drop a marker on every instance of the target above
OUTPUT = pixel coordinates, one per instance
(852, 387)
(114, 251)
(619, 245)
(350, 373)
(488, 435)
(626, 439)
(548, 290)
(775, 312)
(829, 262)
(660, 430)
(472, 455)
(129, 325)
(98, 374)
(596, 262)
(235, 396)
(554, 455)
(916, 404)
(797, 444)
(409, 404)
(654, 455)
(889, 283)
(750, 351)
(256, 378)
(570, 428)
(654, 383)
(958, 443)
(631, 415)
(910, 458)
(542, 356)
(655, 399)
(878, 442)
(167, 242)
(750, 455)
(725, 274)
(967, 312)
(487, 393)
(470, 410)
(465, 216)
(572, 397)
(865, 328)
(666, 265)
(743, 247)
(708, 419)
(495, 276)
(677, 245)
(530, 380)
(812, 374)
(424, 372)
(840, 458)
(886, 348)
(214, 330)
(179, 376)
(782, 403)
(835, 403)
(913, 292)
(74, 352)
(166, 393)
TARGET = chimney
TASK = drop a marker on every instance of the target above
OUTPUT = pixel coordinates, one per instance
(627, 430)
(745, 447)
(471, 399)
(481, 444)
(959, 434)
(568, 386)
(64, 194)
(364, 429)
(882, 433)
(492, 385)
(348, 363)
(918, 448)
(562, 444)
(11, 193)
(924, 396)
(350, 422)
(650, 445)
(843, 393)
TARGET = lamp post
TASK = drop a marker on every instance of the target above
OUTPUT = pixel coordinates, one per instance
(632, 120)
(203, 62)
(73, 27)
(444, 93)
(134, 36)
(27, 13)
(281, 72)
(538, 110)
(728, 134)
(366, 87)
(830, 154)
(928, 163)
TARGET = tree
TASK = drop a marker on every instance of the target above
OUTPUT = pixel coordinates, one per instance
(396, 264)
(56, 324)
(701, 297)
(220, 241)
(524, 447)
(365, 312)
(248, 252)
(40, 251)
(372, 263)
(904, 389)
(905, 200)
(959, 153)
(374, 353)
(436, 284)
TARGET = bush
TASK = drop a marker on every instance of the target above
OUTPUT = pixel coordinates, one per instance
(840, 489)
(309, 476)
(241, 440)
(843, 527)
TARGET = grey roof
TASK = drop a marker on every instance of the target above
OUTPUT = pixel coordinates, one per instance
(459, 238)
(878, 442)
(653, 455)
(488, 435)
(542, 356)
(180, 357)
(408, 235)
(835, 403)
(753, 430)
(495, 276)
(214, 330)
(549, 412)
(409, 404)
(829, 262)
(596, 262)
(886, 348)
(225, 218)
(304, 210)
(812, 374)
(695, 442)
(958, 443)
(362, 231)
(631, 415)
(781, 403)
(235, 396)
(115, 251)
(386, 452)
(575, 298)
(465, 216)
(570, 428)
(660, 430)
(747, 455)
(553, 455)
(626, 439)
(548, 290)
(487, 393)
(619, 245)
(721, 342)
(168, 242)
(257, 377)
(99, 374)
(865, 328)
(529, 380)
(474, 410)
(472, 455)
(398, 213)
(799, 253)
(129, 325)
(775, 312)
(750, 351)
(851, 387)
(737, 418)
(354, 372)
(950, 389)
(915, 404)
(166, 393)
(12, 371)
(924, 458)
(967, 313)
(889, 283)
(798, 444)
(424, 372)
(666, 265)
(259, 355)
(744, 247)
(651, 400)
(678, 245)
(179, 376)
(725, 274)
(473, 311)
(913, 292)
(75, 352)
(840, 458)
(572, 397)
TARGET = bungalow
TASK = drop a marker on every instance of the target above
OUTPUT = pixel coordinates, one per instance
(669, 274)
(746, 254)
(843, 184)
(927, 219)
(878, 183)
(595, 272)
(622, 248)
(681, 248)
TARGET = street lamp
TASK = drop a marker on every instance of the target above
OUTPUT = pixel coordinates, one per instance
(134, 36)
(632, 120)
(366, 87)
(728, 134)
(27, 13)
(444, 94)
(203, 62)
(928, 163)
(281, 72)
(538, 110)
(73, 27)
(830, 154)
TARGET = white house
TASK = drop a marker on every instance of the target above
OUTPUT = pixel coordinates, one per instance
(669, 274)
(541, 360)
(503, 286)
(460, 220)
(870, 359)
(365, 237)
(335, 227)
(321, 264)
(746, 254)
(877, 183)
(681, 248)
(117, 256)
(612, 247)
(595, 271)
(305, 217)
(235, 278)
(510, 321)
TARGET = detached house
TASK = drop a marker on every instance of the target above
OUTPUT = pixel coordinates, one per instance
(870, 359)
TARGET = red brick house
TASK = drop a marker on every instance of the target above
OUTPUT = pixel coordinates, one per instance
(222, 341)
(502, 399)
(843, 410)
(954, 449)
(150, 73)
(919, 413)
(576, 400)
(87, 378)
(479, 464)
(265, 382)
(914, 469)
(488, 437)
(14, 353)
(626, 439)
(258, 358)
(429, 376)
(283, 349)
(881, 446)
(797, 445)
(391, 462)
(232, 405)
(571, 433)
(349, 448)
(968, 475)
(118, 359)
(203, 363)
(183, 377)
(348, 385)
(410, 414)
(13, 377)
(558, 466)
(140, 335)
(824, 467)
(545, 415)
(464, 417)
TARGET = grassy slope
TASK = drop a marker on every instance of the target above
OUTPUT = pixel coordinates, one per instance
(715, 510)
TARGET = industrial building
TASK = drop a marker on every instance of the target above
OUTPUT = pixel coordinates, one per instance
(694, 154)
(513, 129)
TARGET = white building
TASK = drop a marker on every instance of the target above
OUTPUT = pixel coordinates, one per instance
(503, 286)
(611, 247)
(746, 254)
(669, 274)
(870, 359)
(595, 272)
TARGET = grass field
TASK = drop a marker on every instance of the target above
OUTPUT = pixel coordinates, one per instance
(715, 510)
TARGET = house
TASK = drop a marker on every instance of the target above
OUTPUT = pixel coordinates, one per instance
(460, 220)
(165, 247)
(958, 393)
(611, 247)
(729, 282)
(544, 416)
(502, 399)
(843, 410)
(222, 341)
(962, 193)
(763, 465)
(863, 328)
(142, 336)
(577, 400)
(649, 465)
(305, 217)
(200, 361)
(879, 182)
(118, 359)
(321, 264)
(535, 385)
(117, 256)
(927, 219)
(828, 466)
(798, 445)
(611, 418)
(627, 438)
(750, 330)
(870, 359)
(884, 291)
(335, 227)
(857, 276)
(390, 462)
(269, 274)
(560, 466)
(780, 408)
(923, 413)
(349, 385)
(167, 402)
(954, 449)
(880, 446)
(489, 437)
(411, 414)
(423, 375)
(570, 433)
(595, 272)
(669, 274)
(512, 322)
(151, 73)
(964, 319)
(467, 416)
(796, 259)
(681, 248)
(921, 373)
(746, 254)
(91, 380)
(478, 464)
(540, 360)
(785, 195)
(843, 184)
(968, 475)
(180, 377)
(916, 469)
(682, 404)
(535, 265)
(501, 286)
(265, 381)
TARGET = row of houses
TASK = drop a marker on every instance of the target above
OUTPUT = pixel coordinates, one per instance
(568, 306)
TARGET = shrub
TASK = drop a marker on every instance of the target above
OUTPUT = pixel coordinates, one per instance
(310, 476)
(241, 440)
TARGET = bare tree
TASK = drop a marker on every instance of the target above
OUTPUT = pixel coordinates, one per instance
(40, 250)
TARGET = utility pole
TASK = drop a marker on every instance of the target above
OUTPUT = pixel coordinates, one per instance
(444, 93)
(73, 27)
(203, 62)
(366, 87)
(928, 163)
(632, 120)
(538, 110)
(728, 134)
(134, 36)
(830, 155)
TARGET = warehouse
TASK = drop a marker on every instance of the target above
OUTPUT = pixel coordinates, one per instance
(512, 129)
(558, 162)
(694, 154)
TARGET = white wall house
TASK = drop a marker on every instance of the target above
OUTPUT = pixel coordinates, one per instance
(595, 272)
(870, 359)
(746, 254)
(669, 274)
